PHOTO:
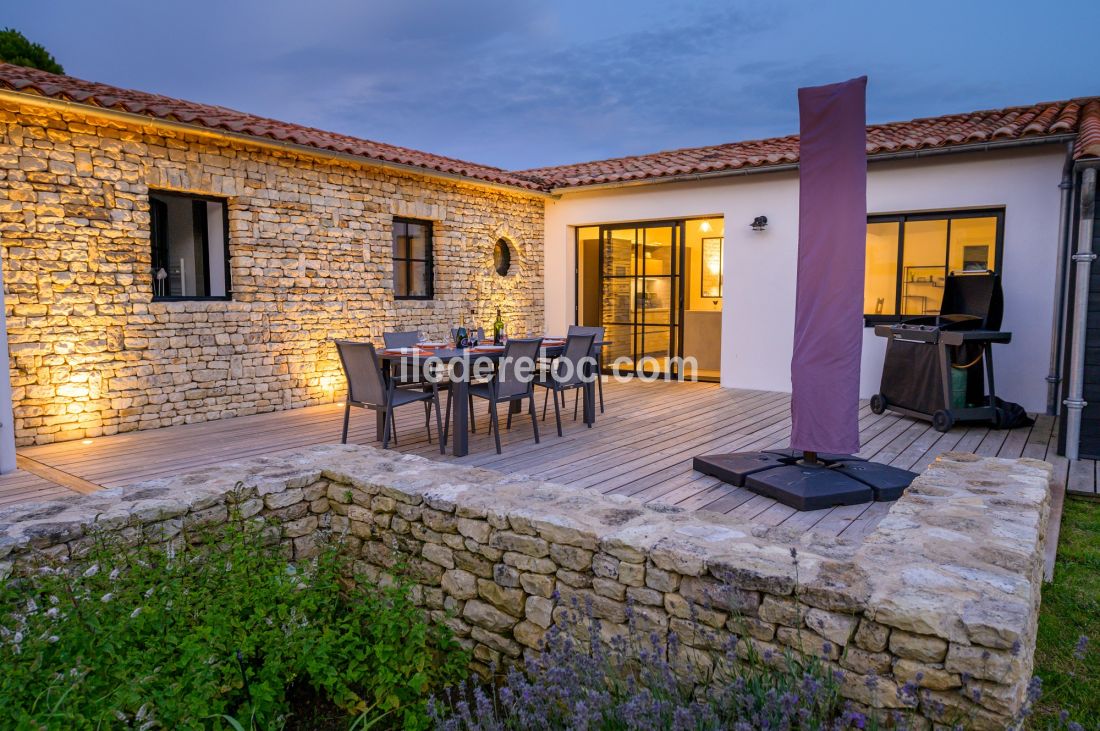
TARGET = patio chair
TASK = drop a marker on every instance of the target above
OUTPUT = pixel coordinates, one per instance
(508, 384)
(480, 335)
(368, 388)
(454, 339)
(567, 372)
(405, 339)
(408, 376)
(597, 353)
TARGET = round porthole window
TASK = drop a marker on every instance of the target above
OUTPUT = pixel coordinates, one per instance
(502, 257)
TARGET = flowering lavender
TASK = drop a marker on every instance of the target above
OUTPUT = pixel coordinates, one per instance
(581, 682)
(1081, 649)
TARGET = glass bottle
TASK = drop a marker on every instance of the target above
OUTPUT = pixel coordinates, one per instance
(460, 335)
(498, 329)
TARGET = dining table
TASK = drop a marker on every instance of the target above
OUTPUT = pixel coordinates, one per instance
(458, 363)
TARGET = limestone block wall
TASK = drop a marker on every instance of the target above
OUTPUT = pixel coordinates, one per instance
(943, 596)
(310, 261)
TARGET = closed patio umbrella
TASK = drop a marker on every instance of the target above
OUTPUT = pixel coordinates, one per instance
(819, 471)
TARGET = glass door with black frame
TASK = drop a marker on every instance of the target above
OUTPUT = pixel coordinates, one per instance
(641, 291)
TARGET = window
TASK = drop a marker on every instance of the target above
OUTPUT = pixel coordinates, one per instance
(190, 247)
(412, 259)
(502, 257)
(928, 247)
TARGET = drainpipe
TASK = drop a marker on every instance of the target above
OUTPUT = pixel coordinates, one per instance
(1083, 260)
(7, 420)
(1054, 375)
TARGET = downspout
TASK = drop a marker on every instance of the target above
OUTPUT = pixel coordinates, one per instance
(7, 419)
(1075, 404)
(1061, 271)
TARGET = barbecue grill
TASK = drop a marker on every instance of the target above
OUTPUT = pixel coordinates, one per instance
(934, 364)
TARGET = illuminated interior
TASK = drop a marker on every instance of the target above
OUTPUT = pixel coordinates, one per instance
(930, 248)
(881, 278)
(703, 290)
(634, 290)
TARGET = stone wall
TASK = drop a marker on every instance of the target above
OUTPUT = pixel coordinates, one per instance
(943, 596)
(310, 246)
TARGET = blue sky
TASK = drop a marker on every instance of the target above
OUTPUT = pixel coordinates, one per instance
(524, 83)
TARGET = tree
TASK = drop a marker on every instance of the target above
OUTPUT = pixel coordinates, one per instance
(16, 49)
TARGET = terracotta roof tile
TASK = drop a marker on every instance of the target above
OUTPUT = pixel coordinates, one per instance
(67, 88)
(1049, 119)
(1080, 117)
(1088, 138)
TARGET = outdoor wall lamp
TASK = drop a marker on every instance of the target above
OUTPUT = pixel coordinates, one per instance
(759, 223)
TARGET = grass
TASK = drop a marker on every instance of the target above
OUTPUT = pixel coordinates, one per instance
(1070, 609)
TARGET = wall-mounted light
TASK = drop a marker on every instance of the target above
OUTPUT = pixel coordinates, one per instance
(705, 227)
(759, 223)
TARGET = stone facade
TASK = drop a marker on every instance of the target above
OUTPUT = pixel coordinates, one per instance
(310, 260)
(943, 596)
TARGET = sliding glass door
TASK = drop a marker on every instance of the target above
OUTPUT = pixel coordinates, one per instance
(642, 289)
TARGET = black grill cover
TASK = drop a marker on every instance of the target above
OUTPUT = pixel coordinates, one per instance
(911, 376)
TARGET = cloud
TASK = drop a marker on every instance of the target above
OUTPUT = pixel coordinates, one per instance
(523, 83)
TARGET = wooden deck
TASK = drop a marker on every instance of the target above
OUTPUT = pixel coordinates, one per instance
(642, 447)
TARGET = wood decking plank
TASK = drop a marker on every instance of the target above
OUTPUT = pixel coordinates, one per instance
(642, 446)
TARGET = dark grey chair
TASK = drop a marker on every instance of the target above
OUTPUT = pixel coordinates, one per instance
(597, 353)
(567, 372)
(509, 384)
(406, 339)
(454, 339)
(369, 388)
(480, 335)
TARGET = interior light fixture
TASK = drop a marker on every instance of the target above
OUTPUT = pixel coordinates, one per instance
(705, 227)
(759, 223)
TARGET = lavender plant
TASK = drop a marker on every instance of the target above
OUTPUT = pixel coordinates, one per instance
(213, 632)
(585, 679)
(629, 682)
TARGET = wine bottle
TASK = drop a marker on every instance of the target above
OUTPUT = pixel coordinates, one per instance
(498, 329)
(461, 339)
(473, 330)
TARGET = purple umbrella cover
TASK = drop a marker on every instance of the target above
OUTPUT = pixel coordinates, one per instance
(832, 235)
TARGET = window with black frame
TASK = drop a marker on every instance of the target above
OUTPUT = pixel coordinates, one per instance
(412, 259)
(910, 255)
(190, 247)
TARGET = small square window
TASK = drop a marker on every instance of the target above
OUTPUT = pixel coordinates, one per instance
(412, 259)
(190, 244)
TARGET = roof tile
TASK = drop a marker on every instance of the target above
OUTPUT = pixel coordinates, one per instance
(1080, 117)
(1049, 119)
(67, 88)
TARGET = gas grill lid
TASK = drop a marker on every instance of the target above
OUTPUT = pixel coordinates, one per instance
(974, 293)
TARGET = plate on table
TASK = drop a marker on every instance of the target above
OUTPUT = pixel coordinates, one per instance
(552, 342)
(405, 351)
(432, 344)
(487, 348)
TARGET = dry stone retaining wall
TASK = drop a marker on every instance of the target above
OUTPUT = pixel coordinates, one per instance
(944, 595)
(311, 260)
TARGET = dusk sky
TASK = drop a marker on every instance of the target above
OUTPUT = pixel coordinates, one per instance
(525, 83)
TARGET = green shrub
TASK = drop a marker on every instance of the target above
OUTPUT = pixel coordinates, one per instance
(212, 632)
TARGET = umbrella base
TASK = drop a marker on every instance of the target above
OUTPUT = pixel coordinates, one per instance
(780, 475)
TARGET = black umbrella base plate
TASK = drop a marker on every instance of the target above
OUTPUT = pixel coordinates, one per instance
(779, 474)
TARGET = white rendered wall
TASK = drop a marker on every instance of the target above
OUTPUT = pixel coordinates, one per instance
(759, 267)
